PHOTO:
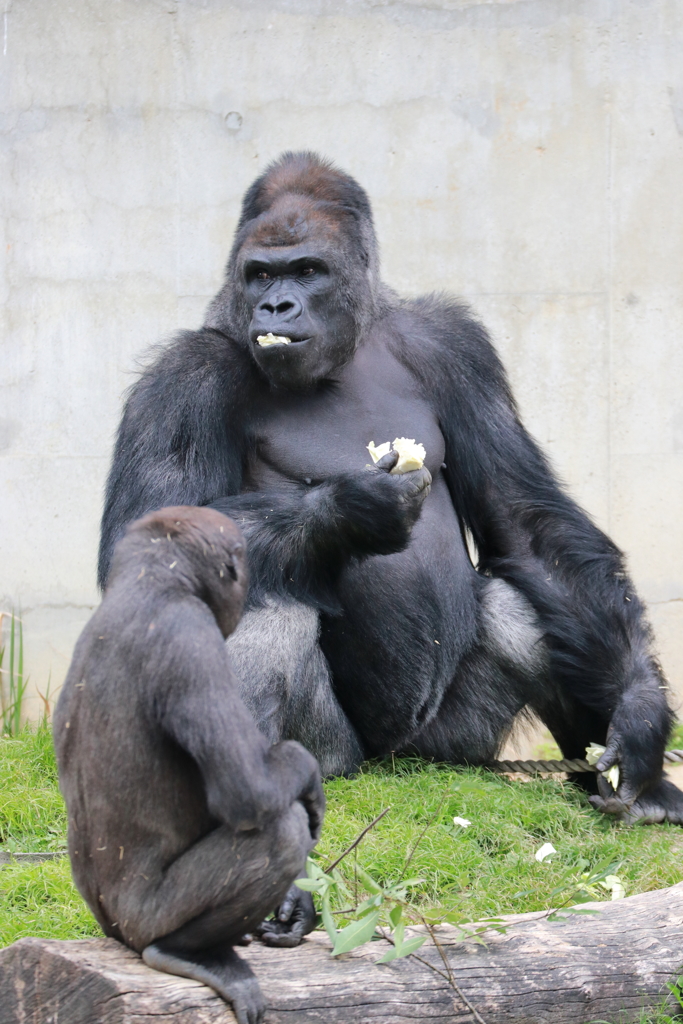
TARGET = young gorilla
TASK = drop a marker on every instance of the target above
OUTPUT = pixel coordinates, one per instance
(186, 828)
(369, 630)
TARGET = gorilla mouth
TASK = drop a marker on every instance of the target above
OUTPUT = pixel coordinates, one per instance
(270, 339)
(266, 340)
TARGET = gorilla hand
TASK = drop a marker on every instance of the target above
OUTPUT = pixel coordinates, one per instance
(291, 761)
(294, 918)
(642, 793)
(370, 512)
(659, 802)
(410, 489)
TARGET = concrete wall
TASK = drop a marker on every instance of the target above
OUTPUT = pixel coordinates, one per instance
(525, 154)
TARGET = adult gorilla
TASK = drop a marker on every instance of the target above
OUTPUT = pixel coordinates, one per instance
(369, 628)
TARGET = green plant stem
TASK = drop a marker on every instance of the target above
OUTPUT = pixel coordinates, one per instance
(356, 841)
(424, 831)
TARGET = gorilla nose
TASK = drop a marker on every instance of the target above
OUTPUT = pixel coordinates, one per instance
(286, 308)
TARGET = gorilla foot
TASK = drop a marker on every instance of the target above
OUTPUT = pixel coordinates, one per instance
(294, 918)
(658, 803)
(218, 967)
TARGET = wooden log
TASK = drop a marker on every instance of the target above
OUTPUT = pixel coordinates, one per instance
(570, 971)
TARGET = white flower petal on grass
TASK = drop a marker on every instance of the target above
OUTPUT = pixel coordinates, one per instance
(545, 851)
(615, 886)
(462, 821)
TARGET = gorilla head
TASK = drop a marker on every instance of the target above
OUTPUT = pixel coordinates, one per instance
(303, 268)
(208, 558)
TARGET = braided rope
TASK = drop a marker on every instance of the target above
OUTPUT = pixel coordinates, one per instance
(577, 765)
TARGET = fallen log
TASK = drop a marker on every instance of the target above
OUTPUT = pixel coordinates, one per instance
(606, 966)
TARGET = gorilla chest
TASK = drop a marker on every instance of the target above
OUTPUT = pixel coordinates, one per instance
(306, 439)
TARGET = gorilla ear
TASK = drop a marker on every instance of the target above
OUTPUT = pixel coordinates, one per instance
(230, 566)
(233, 559)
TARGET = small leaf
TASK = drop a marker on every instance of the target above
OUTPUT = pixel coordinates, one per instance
(390, 955)
(395, 916)
(328, 920)
(453, 917)
(370, 904)
(411, 945)
(368, 881)
(310, 885)
(676, 989)
(313, 869)
(341, 884)
(356, 934)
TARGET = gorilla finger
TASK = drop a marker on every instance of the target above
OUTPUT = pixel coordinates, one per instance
(606, 790)
(265, 926)
(610, 757)
(244, 1013)
(627, 794)
(608, 805)
(271, 931)
(281, 939)
(288, 906)
(387, 462)
(420, 480)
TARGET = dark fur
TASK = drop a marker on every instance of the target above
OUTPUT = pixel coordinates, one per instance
(417, 661)
(185, 827)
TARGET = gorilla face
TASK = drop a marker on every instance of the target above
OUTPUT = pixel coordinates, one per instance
(296, 294)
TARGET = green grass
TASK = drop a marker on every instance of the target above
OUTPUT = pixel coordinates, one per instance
(36, 899)
(481, 871)
(41, 899)
(488, 868)
(32, 815)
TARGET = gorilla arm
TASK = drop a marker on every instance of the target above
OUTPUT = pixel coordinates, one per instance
(533, 535)
(299, 540)
(178, 442)
(246, 781)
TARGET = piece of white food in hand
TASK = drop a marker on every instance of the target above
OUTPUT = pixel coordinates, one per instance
(410, 455)
(378, 451)
(265, 340)
(594, 752)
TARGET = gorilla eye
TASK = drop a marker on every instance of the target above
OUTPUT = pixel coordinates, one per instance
(263, 275)
(308, 272)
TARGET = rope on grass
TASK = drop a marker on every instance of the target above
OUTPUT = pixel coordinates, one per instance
(577, 765)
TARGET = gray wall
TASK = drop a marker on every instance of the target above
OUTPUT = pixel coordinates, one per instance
(525, 154)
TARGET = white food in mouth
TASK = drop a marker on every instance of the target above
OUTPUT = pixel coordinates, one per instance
(410, 455)
(265, 340)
